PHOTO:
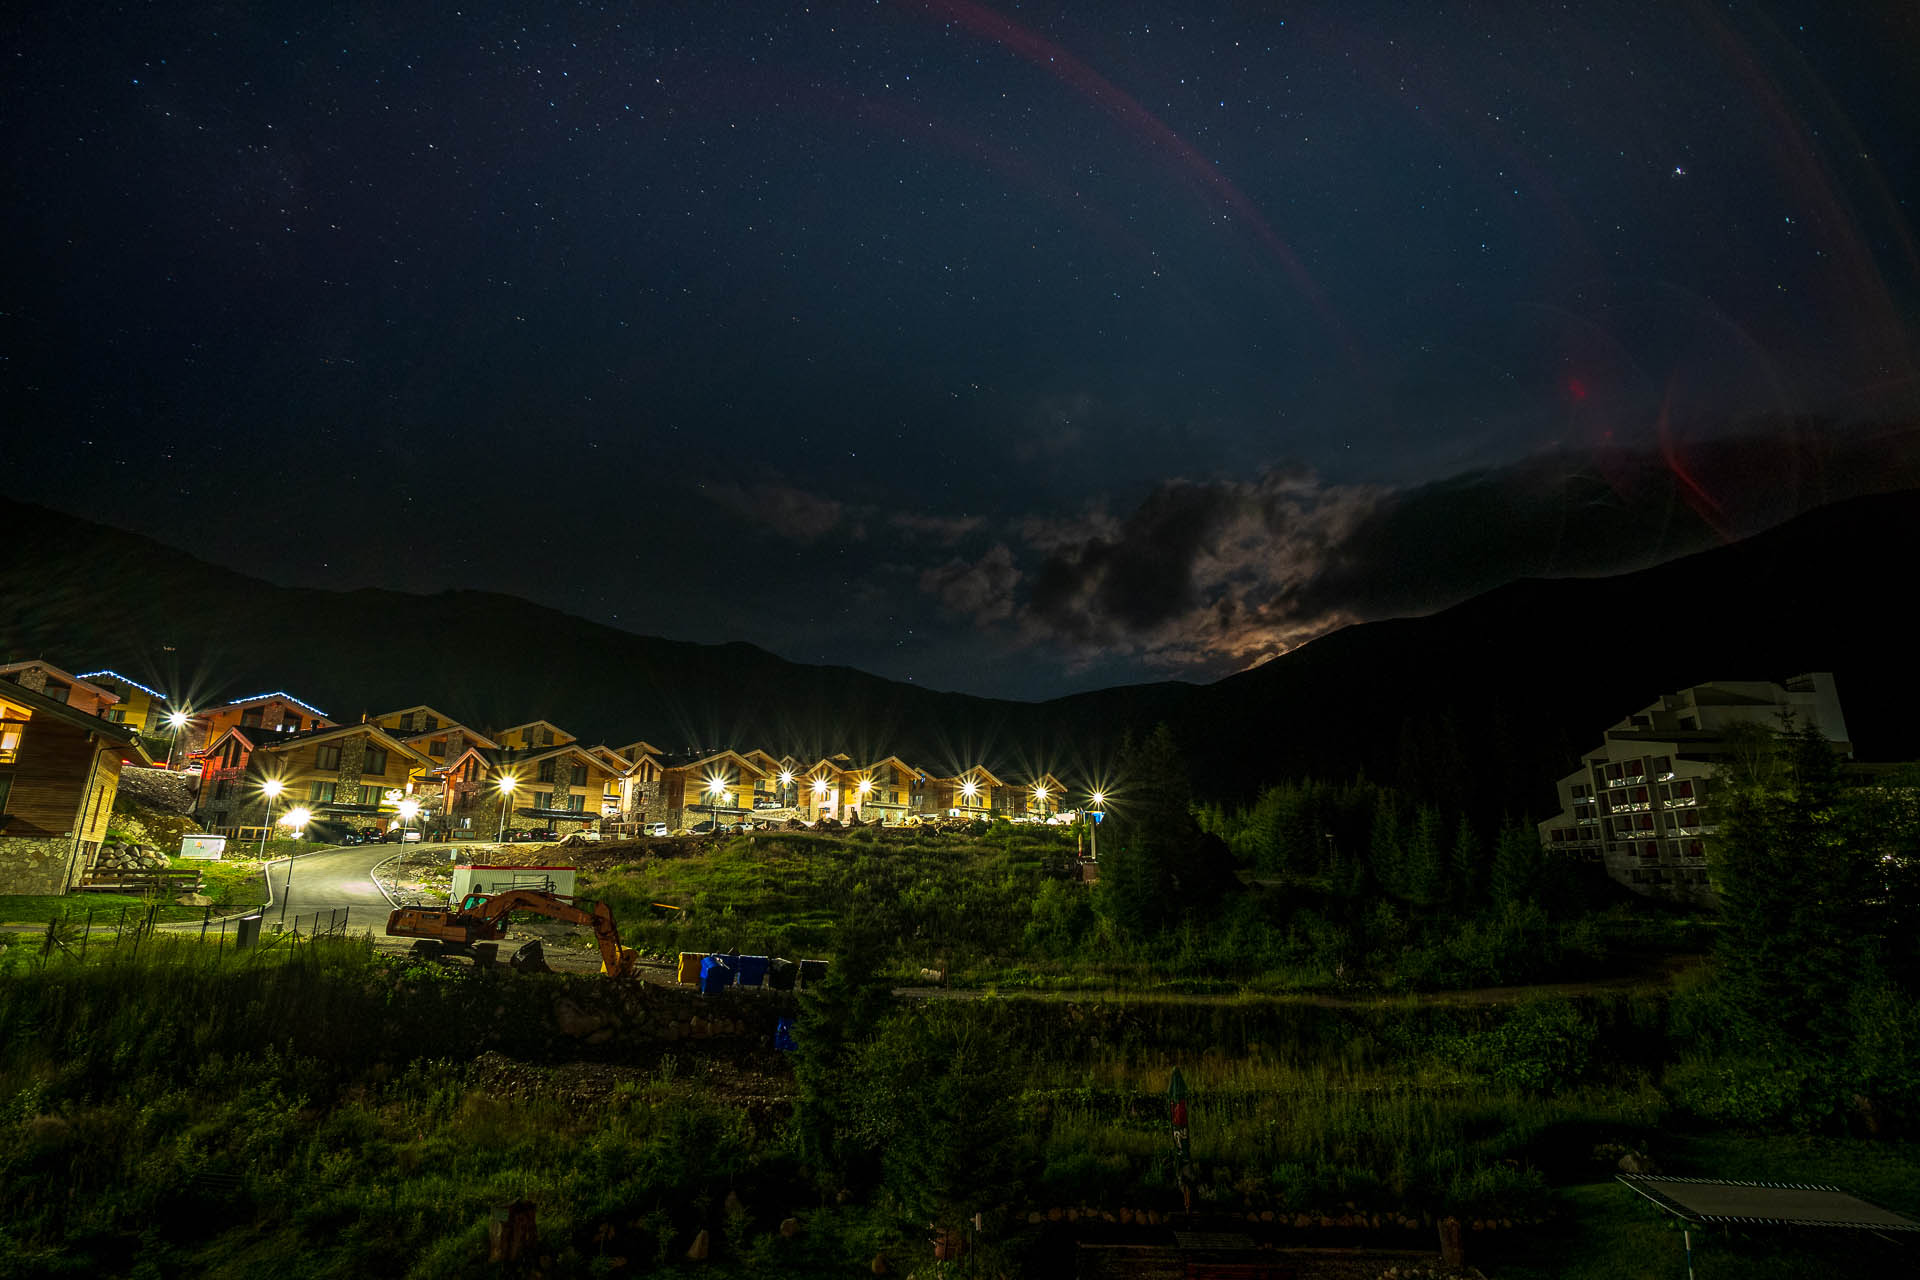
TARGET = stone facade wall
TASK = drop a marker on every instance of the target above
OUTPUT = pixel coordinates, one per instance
(33, 678)
(37, 864)
(353, 756)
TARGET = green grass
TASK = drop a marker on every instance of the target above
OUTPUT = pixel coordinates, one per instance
(316, 1109)
(1604, 1231)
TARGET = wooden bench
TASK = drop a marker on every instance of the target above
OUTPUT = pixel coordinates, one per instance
(141, 880)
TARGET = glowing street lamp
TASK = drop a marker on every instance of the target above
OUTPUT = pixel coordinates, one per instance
(786, 781)
(1096, 810)
(866, 789)
(408, 808)
(271, 788)
(297, 818)
(176, 720)
(716, 787)
(1040, 798)
(506, 784)
(969, 789)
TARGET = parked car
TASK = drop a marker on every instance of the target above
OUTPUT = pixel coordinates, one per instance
(402, 835)
(656, 828)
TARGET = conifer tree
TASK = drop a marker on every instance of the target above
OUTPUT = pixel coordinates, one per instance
(1467, 873)
(1517, 864)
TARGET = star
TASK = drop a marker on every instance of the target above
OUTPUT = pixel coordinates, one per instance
(1679, 171)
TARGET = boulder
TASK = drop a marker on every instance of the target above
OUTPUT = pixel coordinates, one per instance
(789, 1227)
(193, 900)
(1638, 1162)
(697, 1251)
(572, 1020)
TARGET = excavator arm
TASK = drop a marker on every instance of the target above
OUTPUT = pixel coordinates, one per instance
(484, 916)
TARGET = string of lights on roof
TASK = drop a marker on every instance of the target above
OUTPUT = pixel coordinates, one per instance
(126, 680)
(277, 693)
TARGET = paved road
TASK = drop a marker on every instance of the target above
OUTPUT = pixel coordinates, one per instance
(329, 881)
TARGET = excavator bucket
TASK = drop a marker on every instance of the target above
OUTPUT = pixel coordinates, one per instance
(531, 958)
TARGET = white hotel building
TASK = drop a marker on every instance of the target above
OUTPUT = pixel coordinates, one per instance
(1642, 802)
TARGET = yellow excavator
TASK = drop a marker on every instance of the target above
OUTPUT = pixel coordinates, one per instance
(474, 928)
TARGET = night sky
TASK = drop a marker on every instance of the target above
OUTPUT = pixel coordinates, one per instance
(1012, 349)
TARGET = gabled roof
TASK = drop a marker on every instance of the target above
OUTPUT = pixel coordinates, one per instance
(530, 724)
(638, 748)
(39, 704)
(473, 735)
(979, 773)
(506, 760)
(269, 697)
(258, 739)
(687, 766)
(129, 681)
(825, 766)
(438, 714)
(612, 759)
(915, 770)
(10, 669)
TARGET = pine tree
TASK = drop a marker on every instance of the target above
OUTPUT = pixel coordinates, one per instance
(1425, 858)
(1517, 864)
(1795, 882)
(1467, 873)
(1384, 851)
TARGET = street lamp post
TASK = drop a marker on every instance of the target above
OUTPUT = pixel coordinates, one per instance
(714, 789)
(819, 797)
(272, 788)
(787, 796)
(297, 819)
(176, 720)
(1093, 829)
(408, 808)
(1040, 800)
(866, 788)
(506, 785)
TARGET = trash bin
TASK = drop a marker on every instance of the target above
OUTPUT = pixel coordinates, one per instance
(715, 976)
(781, 973)
(750, 971)
(811, 971)
(689, 972)
(783, 1036)
(247, 931)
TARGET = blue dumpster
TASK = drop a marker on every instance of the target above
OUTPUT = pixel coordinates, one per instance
(715, 976)
(812, 971)
(750, 971)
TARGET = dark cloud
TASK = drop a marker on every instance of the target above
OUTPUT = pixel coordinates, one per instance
(1199, 572)
(945, 530)
(791, 513)
(981, 589)
(1207, 576)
